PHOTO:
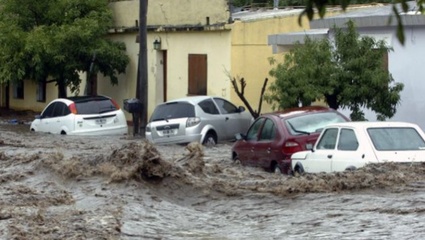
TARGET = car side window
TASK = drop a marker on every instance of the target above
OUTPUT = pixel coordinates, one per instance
(328, 139)
(225, 107)
(253, 131)
(347, 140)
(59, 109)
(48, 112)
(268, 131)
(208, 106)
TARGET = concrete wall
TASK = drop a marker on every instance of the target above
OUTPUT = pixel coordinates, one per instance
(172, 12)
(404, 63)
(250, 51)
(178, 45)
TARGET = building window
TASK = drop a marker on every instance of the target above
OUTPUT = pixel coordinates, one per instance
(18, 90)
(197, 74)
(41, 91)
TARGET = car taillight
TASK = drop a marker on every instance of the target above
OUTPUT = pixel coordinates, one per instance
(291, 147)
(192, 121)
(72, 108)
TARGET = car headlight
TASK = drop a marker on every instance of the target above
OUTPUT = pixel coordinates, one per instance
(193, 121)
(148, 129)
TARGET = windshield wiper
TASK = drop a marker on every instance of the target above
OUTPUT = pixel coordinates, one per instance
(297, 131)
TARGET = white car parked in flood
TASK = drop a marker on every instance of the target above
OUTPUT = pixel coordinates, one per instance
(351, 145)
(84, 115)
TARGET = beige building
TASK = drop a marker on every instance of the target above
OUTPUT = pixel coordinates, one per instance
(202, 45)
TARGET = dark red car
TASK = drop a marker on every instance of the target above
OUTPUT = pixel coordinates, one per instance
(273, 137)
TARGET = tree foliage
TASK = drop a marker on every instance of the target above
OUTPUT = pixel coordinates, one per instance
(348, 72)
(56, 39)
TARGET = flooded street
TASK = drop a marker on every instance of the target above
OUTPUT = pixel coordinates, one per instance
(67, 187)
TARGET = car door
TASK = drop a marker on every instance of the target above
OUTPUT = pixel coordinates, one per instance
(264, 149)
(214, 118)
(60, 120)
(247, 147)
(320, 160)
(233, 120)
(46, 119)
(53, 118)
(348, 153)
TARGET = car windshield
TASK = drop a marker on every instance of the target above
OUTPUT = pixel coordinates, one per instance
(310, 123)
(396, 138)
(95, 106)
(173, 110)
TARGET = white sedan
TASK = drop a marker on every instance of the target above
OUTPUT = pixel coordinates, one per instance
(351, 145)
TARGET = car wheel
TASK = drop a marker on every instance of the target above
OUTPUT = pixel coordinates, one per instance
(299, 169)
(351, 169)
(276, 169)
(210, 140)
(236, 160)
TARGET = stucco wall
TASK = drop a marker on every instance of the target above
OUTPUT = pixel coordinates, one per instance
(172, 12)
(404, 63)
(30, 98)
(178, 45)
(250, 53)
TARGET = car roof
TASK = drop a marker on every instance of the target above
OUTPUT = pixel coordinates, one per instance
(373, 124)
(291, 112)
(191, 99)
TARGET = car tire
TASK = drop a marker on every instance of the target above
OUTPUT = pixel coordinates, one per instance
(350, 169)
(210, 140)
(299, 169)
(236, 160)
(276, 169)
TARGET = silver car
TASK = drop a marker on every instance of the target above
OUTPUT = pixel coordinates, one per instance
(203, 119)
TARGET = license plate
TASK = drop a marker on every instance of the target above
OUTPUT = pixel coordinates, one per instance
(100, 121)
(168, 132)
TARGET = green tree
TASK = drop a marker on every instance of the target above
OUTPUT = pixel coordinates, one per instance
(57, 39)
(347, 73)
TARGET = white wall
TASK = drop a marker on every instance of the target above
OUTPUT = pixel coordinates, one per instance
(406, 64)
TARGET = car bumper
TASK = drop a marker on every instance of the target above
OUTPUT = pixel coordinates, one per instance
(174, 140)
(121, 130)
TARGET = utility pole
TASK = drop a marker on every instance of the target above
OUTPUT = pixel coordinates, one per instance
(142, 72)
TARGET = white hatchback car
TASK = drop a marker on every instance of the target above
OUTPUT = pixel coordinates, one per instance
(201, 119)
(85, 115)
(351, 145)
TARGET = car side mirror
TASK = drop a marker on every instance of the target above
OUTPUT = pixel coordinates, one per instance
(241, 109)
(240, 136)
(309, 146)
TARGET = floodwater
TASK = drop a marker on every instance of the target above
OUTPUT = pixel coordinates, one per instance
(67, 187)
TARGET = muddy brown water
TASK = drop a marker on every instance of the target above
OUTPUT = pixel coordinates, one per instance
(67, 187)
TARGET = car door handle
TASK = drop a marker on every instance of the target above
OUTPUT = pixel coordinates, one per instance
(330, 156)
(227, 118)
(268, 150)
(252, 149)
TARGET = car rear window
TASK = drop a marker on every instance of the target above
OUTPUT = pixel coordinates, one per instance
(396, 138)
(95, 106)
(173, 110)
(314, 122)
